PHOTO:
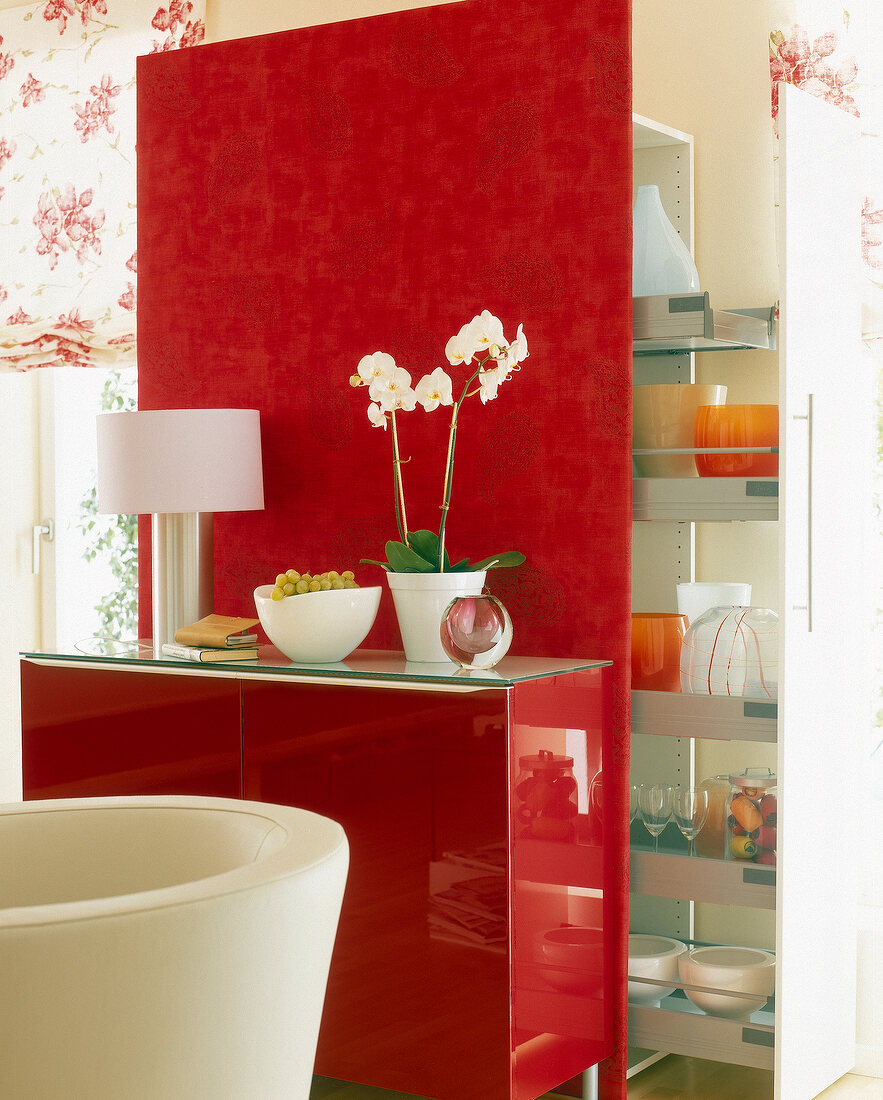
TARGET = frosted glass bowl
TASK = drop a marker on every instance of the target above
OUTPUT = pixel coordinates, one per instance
(664, 415)
(318, 627)
(734, 969)
(652, 957)
(732, 651)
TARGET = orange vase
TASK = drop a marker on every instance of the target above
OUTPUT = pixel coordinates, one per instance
(737, 426)
(656, 650)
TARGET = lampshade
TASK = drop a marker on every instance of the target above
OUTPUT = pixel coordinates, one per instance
(180, 465)
(180, 460)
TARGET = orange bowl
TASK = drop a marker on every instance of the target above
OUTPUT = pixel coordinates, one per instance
(737, 426)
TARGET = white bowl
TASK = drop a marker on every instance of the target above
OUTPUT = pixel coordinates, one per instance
(574, 958)
(652, 957)
(318, 627)
(737, 969)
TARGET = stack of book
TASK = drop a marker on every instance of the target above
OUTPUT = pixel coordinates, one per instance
(215, 638)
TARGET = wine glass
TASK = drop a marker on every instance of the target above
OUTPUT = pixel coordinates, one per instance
(655, 806)
(690, 809)
(633, 802)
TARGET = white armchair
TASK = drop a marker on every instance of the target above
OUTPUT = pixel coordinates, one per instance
(164, 948)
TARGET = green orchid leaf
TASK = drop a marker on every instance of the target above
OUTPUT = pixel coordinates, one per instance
(461, 566)
(403, 560)
(505, 560)
(373, 561)
(425, 543)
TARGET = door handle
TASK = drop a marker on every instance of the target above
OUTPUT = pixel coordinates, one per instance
(807, 607)
(47, 529)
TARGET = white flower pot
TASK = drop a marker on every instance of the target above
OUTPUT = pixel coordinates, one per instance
(420, 600)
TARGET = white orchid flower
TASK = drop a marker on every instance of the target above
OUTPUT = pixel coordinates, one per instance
(395, 380)
(377, 416)
(486, 330)
(490, 381)
(402, 400)
(376, 367)
(462, 347)
(395, 392)
(434, 389)
(518, 352)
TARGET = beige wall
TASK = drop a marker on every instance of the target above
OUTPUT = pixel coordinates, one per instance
(243, 18)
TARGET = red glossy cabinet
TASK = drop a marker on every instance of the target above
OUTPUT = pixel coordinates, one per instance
(89, 731)
(470, 862)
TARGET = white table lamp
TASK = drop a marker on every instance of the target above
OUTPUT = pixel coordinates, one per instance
(180, 466)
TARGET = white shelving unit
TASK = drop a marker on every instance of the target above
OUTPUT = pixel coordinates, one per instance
(807, 1045)
(713, 499)
(717, 717)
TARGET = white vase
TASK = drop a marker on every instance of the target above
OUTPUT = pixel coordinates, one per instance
(420, 600)
(661, 262)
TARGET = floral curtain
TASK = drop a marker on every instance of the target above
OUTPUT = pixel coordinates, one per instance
(67, 174)
(837, 53)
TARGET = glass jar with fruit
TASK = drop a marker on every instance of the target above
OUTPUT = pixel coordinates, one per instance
(546, 794)
(751, 816)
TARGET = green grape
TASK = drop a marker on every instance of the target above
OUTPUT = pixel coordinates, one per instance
(292, 575)
(348, 575)
(333, 575)
(315, 584)
(347, 583)
(302, 586)
(288, 589)
(338, 583)
(324, 586)
(281, 578)
(277, 594)
(306, 577)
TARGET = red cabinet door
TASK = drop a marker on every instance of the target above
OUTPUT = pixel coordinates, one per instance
(439, 986)
(92, 731)
(418, 996)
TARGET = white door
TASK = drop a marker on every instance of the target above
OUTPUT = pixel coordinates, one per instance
(825, 408)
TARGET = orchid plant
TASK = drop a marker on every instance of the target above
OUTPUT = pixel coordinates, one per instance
(481, 347)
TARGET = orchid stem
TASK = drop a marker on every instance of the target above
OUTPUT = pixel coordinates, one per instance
(449, 468)
(401, 515)
(446, 491)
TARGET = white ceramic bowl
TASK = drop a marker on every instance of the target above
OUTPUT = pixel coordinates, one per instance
(737, 969)
(574, 959)
(318, 627)
(652, 957)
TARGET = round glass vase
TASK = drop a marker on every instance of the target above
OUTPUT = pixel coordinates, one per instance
(732, 651)
(476, 631)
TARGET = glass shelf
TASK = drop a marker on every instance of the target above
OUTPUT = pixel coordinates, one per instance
(361, 666)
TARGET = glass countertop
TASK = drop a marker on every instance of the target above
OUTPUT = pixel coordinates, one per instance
(361, 665)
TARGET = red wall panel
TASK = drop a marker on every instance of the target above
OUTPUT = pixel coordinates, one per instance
(309, 197)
